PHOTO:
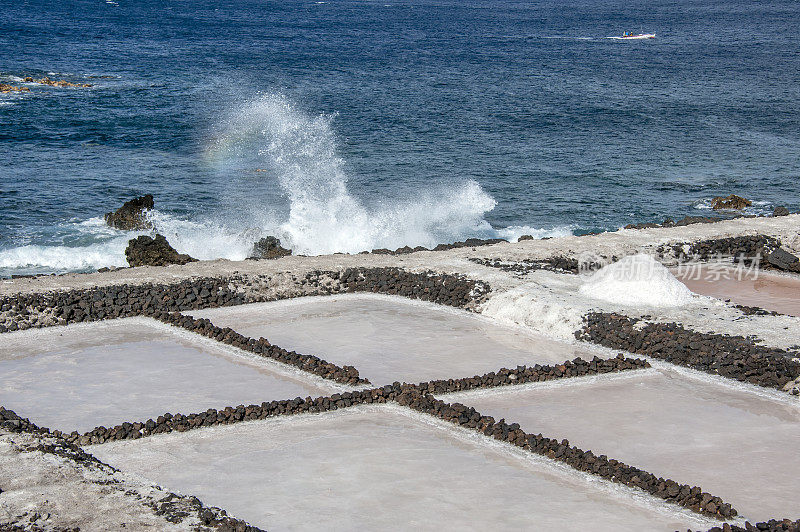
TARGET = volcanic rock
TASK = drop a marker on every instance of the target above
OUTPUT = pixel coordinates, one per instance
(131, 216)
(269, 248)
(56, 82)
(689, 220)
(731, 202)
(641, 226)
(146, 251)
(780, 211)
(6, 88)
(783, 260)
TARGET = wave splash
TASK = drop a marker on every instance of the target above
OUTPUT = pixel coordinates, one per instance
(311, 208)
(299, 152)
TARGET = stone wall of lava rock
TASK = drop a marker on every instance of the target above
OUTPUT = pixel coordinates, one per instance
(25, 311)
(382, 394)
(262, 347)
(734, 357)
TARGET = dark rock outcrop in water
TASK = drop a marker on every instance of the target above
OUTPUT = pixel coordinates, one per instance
(269, 248)
(131, 216)
(689, 220)
(146, 251)
(6, 88)
(56, 82)
(731, 202)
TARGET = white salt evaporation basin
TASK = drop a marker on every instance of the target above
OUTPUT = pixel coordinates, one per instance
(392, 339)
(81, 376)
(736, 443)
(383, 468)
(769, 291)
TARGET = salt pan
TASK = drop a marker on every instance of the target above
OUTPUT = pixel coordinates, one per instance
(375, 468)
(81, 376)
(394, 339)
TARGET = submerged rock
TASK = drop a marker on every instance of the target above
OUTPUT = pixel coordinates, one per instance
(132, 214)
(146, 251)
(6, 88)
(731, 202)
(269, 248)
(56, 82)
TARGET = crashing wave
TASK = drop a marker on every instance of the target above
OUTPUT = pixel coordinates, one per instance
(299, 164)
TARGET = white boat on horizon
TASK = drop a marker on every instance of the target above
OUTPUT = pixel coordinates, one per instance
(628, 36)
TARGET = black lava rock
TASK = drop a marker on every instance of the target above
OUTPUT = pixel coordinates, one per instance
(783, 260)
(132, 214)
(146, 251)
(269, 248)
(734, 357)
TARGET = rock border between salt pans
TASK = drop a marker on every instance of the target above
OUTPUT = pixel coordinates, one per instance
(417, 397)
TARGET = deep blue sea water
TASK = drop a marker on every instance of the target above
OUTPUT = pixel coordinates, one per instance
(349, 125)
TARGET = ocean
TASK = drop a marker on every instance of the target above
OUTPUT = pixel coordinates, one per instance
(342, 126)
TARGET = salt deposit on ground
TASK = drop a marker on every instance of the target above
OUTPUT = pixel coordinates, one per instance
(392, 338)
(636, 280)
(53, 493)
(552, 304)
(380, 468)
(82, 376)
(769, 291)
(733, 443)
